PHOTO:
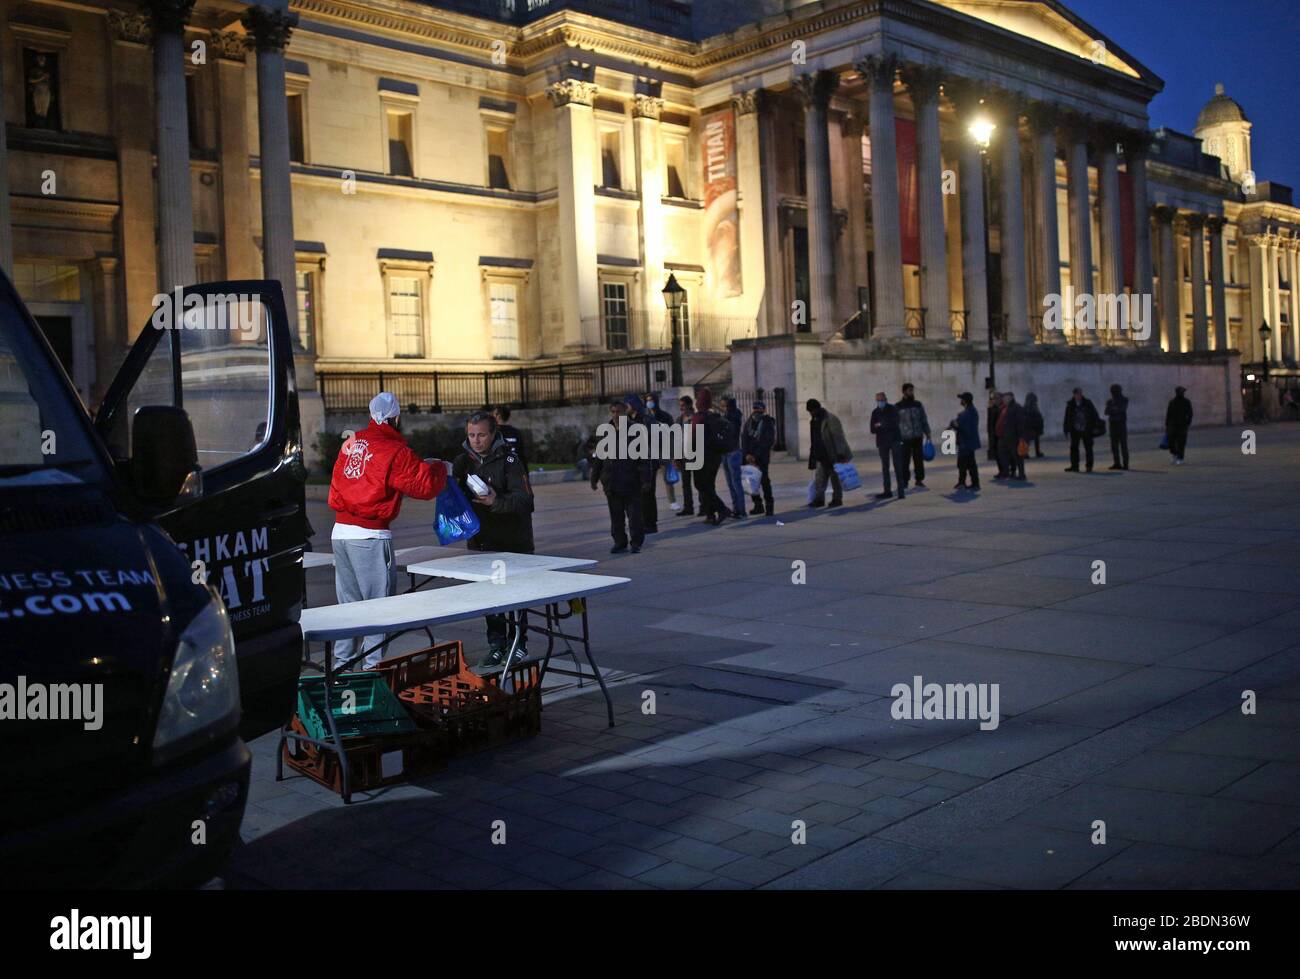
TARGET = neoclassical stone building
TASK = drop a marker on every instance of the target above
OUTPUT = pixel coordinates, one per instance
(484, 184)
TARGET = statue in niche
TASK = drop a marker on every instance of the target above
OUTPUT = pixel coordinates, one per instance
(41, 78)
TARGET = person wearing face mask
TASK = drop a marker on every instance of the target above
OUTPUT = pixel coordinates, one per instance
(374, 471)
(889, 443)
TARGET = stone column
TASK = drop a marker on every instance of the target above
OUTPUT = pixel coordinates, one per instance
(814, 90)
(852, 128)
(1272, 305)
(1080, 220)
(1135, 149)
(575, 141)
(1015, 270)
(749, 185)
(1258, 300)
(131, 35)
(923, 84)
(1218, 292)
(646, 109)
(270, 29)
(1295, 298)
(888, 279)
(172, 136)
(776, 310)
(1171, 322)
(1112, 223)
(974, 254)
(6, 222)
(236, 184)
(1200, 324)
(1042, 123)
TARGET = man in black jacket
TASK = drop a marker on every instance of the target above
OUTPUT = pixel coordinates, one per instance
(1011, 428)
(637, 413)
(514, 438)
(1082, 424)
(505, 511)
(624, 482)
(1117, 417)
(1178, 419)
(756, 443)
(889, 443)
(914, 429)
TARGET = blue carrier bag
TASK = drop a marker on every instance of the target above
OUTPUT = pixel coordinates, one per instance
(455, 519)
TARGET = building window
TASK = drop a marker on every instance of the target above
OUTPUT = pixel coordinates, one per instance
(675, 167)
(41, 83)
(614, 314)
(47, 283)
(503, 300)
(611, 152)
(297, 127)
(684, 321)
(406, 315)
(500, 162)
(306, 280)
(401, 142)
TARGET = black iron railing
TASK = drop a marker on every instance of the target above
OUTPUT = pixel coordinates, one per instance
(577, 382)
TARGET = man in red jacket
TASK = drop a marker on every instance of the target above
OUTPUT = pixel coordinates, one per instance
(371, 475)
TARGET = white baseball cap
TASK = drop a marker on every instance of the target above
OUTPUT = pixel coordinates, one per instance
(384, 406)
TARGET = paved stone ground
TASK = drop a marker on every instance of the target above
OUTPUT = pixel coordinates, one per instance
(1119, 702)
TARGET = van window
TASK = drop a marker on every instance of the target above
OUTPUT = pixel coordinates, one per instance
(43, 435)
(225, 372)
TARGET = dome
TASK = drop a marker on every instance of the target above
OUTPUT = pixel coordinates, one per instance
(1220, 109)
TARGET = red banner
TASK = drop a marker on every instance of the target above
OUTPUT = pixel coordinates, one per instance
(909, 219)
(1128, 228)
(721, 211)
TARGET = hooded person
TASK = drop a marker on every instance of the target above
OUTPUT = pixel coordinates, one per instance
(756, 441)
(1034, 424)
(640, 415)
(1178, 419)
(504, 509)
(373, 472)
(710, 429)
(967, 427)
(1117, 417)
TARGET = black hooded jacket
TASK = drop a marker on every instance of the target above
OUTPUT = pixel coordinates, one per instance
(507, 525)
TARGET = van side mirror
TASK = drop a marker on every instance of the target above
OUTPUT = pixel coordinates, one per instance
(164, 459)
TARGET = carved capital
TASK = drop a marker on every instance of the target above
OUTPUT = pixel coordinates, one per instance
(1044, 117)
(169, 16)
(878, 70)
(967, 96)
(228, 45)
(1215, 225)
(1191, 223)
(647, 107)
(815, 88)
(1164, 214)
(1137, 143)
(269, 29)
(747, 103)
(571, 91)
(923, 82)
(135, 28)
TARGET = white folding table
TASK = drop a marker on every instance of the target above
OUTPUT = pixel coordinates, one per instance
(514, 595)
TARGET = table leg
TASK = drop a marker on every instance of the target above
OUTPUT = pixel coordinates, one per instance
(336, 743)
(586, 648)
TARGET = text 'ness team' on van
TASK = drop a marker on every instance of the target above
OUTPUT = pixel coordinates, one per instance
(150, 587)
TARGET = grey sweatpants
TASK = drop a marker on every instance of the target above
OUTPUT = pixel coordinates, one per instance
(362, 569)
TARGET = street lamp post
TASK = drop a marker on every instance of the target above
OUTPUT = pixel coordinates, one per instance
(673, 296)
(981, 131)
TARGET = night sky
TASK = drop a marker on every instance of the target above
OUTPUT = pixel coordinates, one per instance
(1252, 46)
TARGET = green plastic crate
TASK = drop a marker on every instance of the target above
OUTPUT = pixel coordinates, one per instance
(374, 712)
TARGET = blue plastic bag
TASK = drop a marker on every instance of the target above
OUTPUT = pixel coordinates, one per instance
(1164, 441)
(672, 474)
(848, 473)
(927, 451)
(455, 519)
